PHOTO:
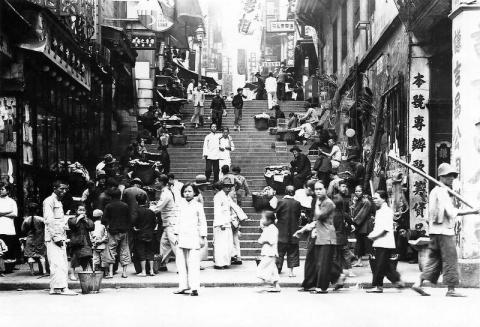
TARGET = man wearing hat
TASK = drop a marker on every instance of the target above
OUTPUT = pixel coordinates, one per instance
(301, 168)
(442, 257)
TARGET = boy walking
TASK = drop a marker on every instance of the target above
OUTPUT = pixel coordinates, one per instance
(237, 104)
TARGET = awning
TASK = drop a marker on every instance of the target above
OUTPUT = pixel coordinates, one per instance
(187, 74)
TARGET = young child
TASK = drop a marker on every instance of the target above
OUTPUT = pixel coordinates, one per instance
(80, 243)
(267, 268)
(241, 186)
(35, 250)
(3, 250)
(99, 238)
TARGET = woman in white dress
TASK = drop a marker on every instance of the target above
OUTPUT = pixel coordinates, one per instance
(191, 233)
(226, 146)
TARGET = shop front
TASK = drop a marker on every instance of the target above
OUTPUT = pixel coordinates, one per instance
(52, 111)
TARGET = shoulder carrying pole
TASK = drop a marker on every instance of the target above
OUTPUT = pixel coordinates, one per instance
(431, 179)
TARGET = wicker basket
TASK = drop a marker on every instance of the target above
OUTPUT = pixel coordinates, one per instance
(261, 124)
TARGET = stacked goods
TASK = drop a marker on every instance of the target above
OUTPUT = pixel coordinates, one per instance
(278, 177)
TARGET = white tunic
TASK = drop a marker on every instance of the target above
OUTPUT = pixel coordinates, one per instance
(191, 224)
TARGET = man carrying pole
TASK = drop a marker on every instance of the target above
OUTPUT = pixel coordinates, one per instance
(442, 219)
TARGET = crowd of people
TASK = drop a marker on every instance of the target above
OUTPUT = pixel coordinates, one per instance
(119, 220)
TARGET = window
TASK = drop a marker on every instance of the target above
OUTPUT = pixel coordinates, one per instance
(334, 46)
(344, 30)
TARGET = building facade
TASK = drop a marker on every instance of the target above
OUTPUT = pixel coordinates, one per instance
(399, 68)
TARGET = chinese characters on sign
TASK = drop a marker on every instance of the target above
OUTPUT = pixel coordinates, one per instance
(290, 49)
(418, 138)
(143, 42)
(281, 26)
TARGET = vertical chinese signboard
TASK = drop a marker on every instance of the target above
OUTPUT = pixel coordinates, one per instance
(419, 138)
(290, 49)
(466, 116)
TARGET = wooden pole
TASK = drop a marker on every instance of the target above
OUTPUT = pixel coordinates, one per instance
(431, 179)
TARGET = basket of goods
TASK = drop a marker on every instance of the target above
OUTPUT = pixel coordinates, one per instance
(278, 177)
(261, 200)
(261, 121)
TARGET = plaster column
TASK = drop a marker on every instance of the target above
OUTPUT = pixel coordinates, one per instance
(466, 130)
(363, 32)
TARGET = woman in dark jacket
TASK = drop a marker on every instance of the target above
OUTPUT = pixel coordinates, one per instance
(362, 211)
(80, 243)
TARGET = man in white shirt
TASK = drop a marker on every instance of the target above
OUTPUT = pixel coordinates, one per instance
(442, 219)
(190, 88)
(271, 88)
(8, 214)
(383, 244)
(211, 153)
(55, 239)
(198, 110)
(168, 210)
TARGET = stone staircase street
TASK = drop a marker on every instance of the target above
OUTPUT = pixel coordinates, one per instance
(253, 152)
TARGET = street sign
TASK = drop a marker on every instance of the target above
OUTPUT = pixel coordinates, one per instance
(281, 26)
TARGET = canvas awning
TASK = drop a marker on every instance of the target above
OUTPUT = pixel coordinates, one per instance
(187, 74)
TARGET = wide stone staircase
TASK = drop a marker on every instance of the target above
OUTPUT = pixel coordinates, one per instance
(253, 152)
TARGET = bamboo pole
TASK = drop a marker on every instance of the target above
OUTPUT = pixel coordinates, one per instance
(431, 179)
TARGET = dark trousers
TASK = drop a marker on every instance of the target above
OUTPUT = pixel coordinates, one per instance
(13, 244)
(442, 257)
(238, 116)
(212, 165)
(217, 118)
(281, 91)
(343, 256)
(384, 267)
(310, 274)
(292, 251)
(363, 245)
(328, 271)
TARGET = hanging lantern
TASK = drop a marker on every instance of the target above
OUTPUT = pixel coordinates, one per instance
(66, 83)
(45, 68)
(59, 78)
(53, 74)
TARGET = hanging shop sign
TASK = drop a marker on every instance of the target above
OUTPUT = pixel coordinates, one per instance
(290, 50)
(281, 26)
(419, 138)
(144, 42)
